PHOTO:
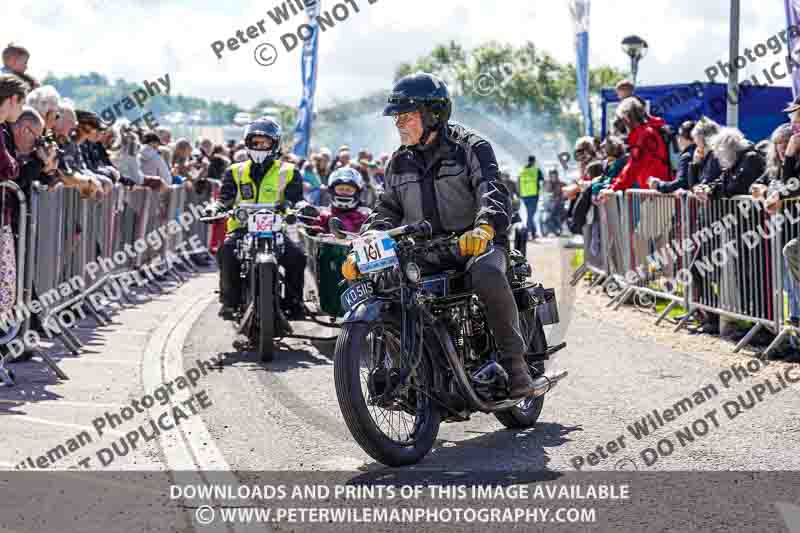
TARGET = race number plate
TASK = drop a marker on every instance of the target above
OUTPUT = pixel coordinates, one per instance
(355, 295)
(264, 223)
(375, 253)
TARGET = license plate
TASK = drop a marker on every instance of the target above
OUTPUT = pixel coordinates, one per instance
(355, 295)
(375, 253)
(264, 223)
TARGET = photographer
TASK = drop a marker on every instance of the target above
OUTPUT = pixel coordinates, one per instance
(36, 155)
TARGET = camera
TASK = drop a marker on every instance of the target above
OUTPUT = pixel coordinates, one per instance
(46, 141)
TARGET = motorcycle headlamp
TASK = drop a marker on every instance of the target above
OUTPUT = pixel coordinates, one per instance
(413, 272)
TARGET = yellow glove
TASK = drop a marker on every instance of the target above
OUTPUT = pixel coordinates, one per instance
(474, 242)
(350, 269)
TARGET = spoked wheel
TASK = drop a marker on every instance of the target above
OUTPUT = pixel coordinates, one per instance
(394, 424)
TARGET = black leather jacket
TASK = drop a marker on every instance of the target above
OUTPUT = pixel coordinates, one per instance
(453, 183)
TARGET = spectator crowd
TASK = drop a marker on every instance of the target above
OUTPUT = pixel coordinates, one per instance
(44, 138)
(713, 162)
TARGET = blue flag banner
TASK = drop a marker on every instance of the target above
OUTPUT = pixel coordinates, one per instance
(308, 72)
(792, 19)
(580, 18)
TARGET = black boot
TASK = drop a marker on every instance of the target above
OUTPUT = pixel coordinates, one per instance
(520, 383)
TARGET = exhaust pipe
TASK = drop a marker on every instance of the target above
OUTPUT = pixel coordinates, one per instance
(542, 385)
(545, 384)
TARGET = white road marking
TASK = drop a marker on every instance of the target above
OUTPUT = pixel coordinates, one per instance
(129, 362)
(28, 418)
(189, 450)
(58, 403)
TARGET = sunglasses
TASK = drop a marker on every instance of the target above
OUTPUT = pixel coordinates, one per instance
(402, 118)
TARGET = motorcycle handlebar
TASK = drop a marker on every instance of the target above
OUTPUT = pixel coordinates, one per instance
(420, 229)
(253, 207)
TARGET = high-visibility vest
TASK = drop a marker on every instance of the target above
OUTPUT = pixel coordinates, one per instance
(529, 181)
(270, 190)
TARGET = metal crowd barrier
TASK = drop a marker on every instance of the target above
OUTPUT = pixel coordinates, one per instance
(18, 327)
(790, 233)
(595, 257)
(61, 234)
(732, 275)
(651, 222)
(723, 257)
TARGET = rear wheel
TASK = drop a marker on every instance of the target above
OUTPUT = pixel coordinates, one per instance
(266, 310)
(395, 427)
(523, 415)
(526, 413)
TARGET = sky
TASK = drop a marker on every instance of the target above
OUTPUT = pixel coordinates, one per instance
(144, 39)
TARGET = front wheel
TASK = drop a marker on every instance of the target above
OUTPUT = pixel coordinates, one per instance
(266, 310)
(394, 425)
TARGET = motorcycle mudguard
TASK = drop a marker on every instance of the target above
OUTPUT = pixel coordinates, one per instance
(368, 311)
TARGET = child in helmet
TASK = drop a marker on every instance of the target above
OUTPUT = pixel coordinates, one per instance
(344, 185)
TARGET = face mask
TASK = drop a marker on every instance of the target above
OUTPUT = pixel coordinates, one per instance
(259, 156)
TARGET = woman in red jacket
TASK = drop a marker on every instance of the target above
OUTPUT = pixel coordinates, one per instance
(649, 155)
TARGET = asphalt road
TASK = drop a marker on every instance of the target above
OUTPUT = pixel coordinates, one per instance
(630, 390)
(284, 415)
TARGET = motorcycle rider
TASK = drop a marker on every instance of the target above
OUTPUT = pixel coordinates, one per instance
(261, 179)
(448, 175)
(345, 186)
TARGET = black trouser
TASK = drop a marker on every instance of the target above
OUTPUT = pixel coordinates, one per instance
(293, 260)
(490, 282)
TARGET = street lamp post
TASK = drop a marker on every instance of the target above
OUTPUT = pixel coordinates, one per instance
(636, 48)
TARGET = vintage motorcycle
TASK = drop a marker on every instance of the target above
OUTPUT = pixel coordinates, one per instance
(415, 349)
(261, 318)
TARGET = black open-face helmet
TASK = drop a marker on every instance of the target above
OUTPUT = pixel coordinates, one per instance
(425, 93)
(266, 127)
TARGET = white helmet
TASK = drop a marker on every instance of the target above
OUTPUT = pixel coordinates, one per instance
(345, 176)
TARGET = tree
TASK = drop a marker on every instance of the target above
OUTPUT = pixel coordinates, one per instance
(511, 80)
(94, 92)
